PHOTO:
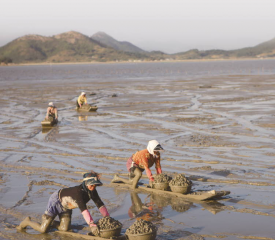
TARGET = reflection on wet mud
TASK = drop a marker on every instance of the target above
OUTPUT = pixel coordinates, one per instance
(158, 202)
(82, 118)
(137, 205)
(46, 130)
(213, 206)
(146, 211)
(180, 206)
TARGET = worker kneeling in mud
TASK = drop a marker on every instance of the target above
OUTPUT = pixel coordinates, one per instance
(64, 200)
(52, 111)
(81, 100)
(140, 161)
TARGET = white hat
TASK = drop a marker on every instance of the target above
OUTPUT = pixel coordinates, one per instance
(51, 104)
(83, 93)
(153, 145)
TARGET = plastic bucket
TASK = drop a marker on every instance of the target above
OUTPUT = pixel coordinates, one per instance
(110, 232)
(161, 186)
(142, 236)
(181, 189)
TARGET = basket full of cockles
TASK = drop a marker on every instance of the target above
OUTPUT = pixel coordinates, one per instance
(109, 227)
(180, 184)
(141, 230)
(161, 182)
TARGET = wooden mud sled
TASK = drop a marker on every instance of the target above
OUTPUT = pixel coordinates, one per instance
(50, 122)
(87, 108)
(192, 196)
(89, 236)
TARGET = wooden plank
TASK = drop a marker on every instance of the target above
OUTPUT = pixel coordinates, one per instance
(87, 108)
(47, 123)
(79, 235)
(196, 196)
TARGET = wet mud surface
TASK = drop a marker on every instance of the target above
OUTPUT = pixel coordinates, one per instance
(214, 120)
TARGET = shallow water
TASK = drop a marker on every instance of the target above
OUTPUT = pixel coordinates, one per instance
(215, 121)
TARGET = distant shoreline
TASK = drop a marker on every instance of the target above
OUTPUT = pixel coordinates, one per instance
(135, 61)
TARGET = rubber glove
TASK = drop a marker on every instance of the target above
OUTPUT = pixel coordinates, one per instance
(104, 212)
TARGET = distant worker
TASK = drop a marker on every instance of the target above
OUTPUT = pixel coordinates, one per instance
(81, 100)
(52, 111)
(64, 200)
(140, 161)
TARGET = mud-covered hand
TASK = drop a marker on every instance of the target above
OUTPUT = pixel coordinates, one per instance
(151, 183)
(94, 229)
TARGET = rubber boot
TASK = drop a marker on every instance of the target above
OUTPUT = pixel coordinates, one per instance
(65, 221)
(135, 180)
(119, 179)
(43, 227)
(24, 223)
(77, 105)
(132, 173)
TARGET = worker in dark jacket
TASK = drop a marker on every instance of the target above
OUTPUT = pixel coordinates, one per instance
(64, 200)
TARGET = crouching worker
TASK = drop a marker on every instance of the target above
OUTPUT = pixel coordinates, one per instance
(52, 111)
(81, 100)
(140, 161)
(64, 200)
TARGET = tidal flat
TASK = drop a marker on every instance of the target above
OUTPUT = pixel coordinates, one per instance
(215, 121)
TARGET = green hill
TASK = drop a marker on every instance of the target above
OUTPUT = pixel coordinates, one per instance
(266, 49)
(76, 47)
(66, 47)
(263, 50)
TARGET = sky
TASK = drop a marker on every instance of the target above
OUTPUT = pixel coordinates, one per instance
(166, 25)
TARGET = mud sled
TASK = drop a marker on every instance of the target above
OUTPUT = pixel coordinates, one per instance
(50, 122)
(87, 108)
(89, 236)
(192, 196)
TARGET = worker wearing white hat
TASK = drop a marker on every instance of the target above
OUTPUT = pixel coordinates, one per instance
(52, 111)
(81, 100)
(140, 161)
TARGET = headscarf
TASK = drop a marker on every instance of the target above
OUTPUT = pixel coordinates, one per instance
(152, 145)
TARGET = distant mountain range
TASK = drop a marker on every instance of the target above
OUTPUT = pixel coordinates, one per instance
(100, 47)
(108, 41)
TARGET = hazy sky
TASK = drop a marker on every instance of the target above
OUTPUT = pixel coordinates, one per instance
(166, 25)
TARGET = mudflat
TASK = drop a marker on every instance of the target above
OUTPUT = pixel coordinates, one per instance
(215, 121)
